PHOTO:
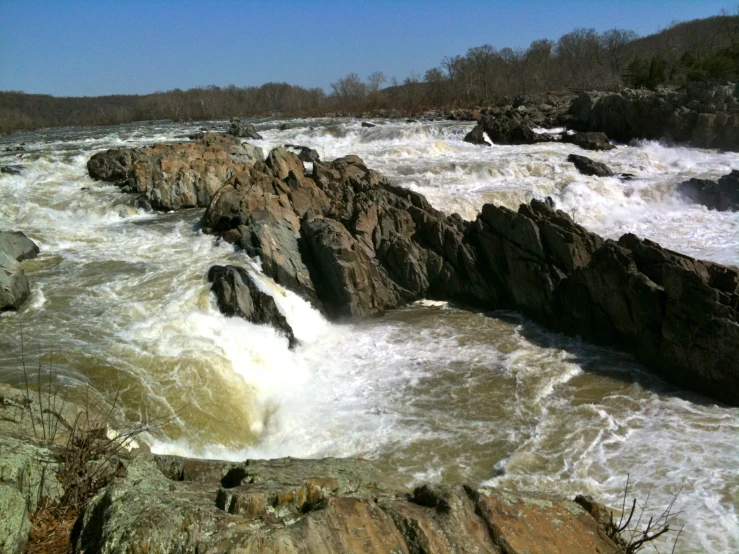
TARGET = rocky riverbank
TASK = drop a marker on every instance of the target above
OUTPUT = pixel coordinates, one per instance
(352, 243)
(161, 504)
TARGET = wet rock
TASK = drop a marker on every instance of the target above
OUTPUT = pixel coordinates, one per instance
(237, 294)
(14, 286)
(589, 141)
(513, 127)
(11, 169)
(476, 136)
(242, 129)
(142, 204)
(285, 127)
(368, 125)
(17, 245)
(722, 195)
(586, 166)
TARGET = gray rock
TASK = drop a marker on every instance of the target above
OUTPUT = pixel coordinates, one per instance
(722, 195)
(17, 245)
(589, 141)
(242, 129)
(476, 136)
(586, 166)
(14, 286)
(238, 295)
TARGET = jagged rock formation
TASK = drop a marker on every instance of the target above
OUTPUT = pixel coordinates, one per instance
(175, 176)
(476, 136)
(168, 504)
(703, 116)
(722, 195)
(243, 130)
(14, 286)
(355, 245)
(586, 166)
(238, 295)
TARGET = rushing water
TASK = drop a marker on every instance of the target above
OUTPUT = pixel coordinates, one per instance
(434, 392)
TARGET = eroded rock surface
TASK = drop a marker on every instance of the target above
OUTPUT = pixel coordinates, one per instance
(170, 504)
(175, 176)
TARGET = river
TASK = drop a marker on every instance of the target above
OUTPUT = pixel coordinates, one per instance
(120, 306)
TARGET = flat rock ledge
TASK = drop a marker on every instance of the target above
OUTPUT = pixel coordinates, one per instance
(345, 238)
(168, 504)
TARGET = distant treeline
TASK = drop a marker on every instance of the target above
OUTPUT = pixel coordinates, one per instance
(698, 50)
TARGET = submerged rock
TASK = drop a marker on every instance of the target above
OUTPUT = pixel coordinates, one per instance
(170, 504)
(586, 166)
(11, 169)
(238, 295)
(722, 196)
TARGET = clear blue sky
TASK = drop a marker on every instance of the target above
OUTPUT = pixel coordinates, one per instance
(76, 48)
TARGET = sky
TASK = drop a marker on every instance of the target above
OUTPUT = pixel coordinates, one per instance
(89, 48)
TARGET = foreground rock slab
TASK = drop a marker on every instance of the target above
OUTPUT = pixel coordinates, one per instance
(167, 504)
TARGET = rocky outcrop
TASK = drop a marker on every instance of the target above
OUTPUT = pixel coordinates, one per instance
(305, 153)
(175, 176)
(586, 166)
(588, 141)
(722, 195)
(355, 245)
(513, 127)
(238, 295)
(168, 504)
(704, 116)
(14, 286)
(241, 129)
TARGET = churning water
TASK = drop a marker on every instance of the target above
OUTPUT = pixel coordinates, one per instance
(120, 304)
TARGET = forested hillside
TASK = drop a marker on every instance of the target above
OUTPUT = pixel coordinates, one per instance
(698, 50)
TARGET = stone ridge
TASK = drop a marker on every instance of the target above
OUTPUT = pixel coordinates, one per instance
(163, 504)
(355, 245)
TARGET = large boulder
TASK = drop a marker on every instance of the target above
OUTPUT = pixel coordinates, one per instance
(242, 129)
(722, 195)
(165, 504)
(586, 166)
(14, 286)
(477, 136)
(237, 294)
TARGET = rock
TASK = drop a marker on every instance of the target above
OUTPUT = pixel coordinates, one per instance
(14, 286)
(513, 127)
(11, 169)
(285, 127)
(242, 129)
(238, 295)
(368, 124)
(722, 195)
(305, 153)
(588, 141)
(476, 136)
(17, 245)
(586, 166)
(689, 114)
(142, 204)
(14, 522)
(166, 504)
(176, 176)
